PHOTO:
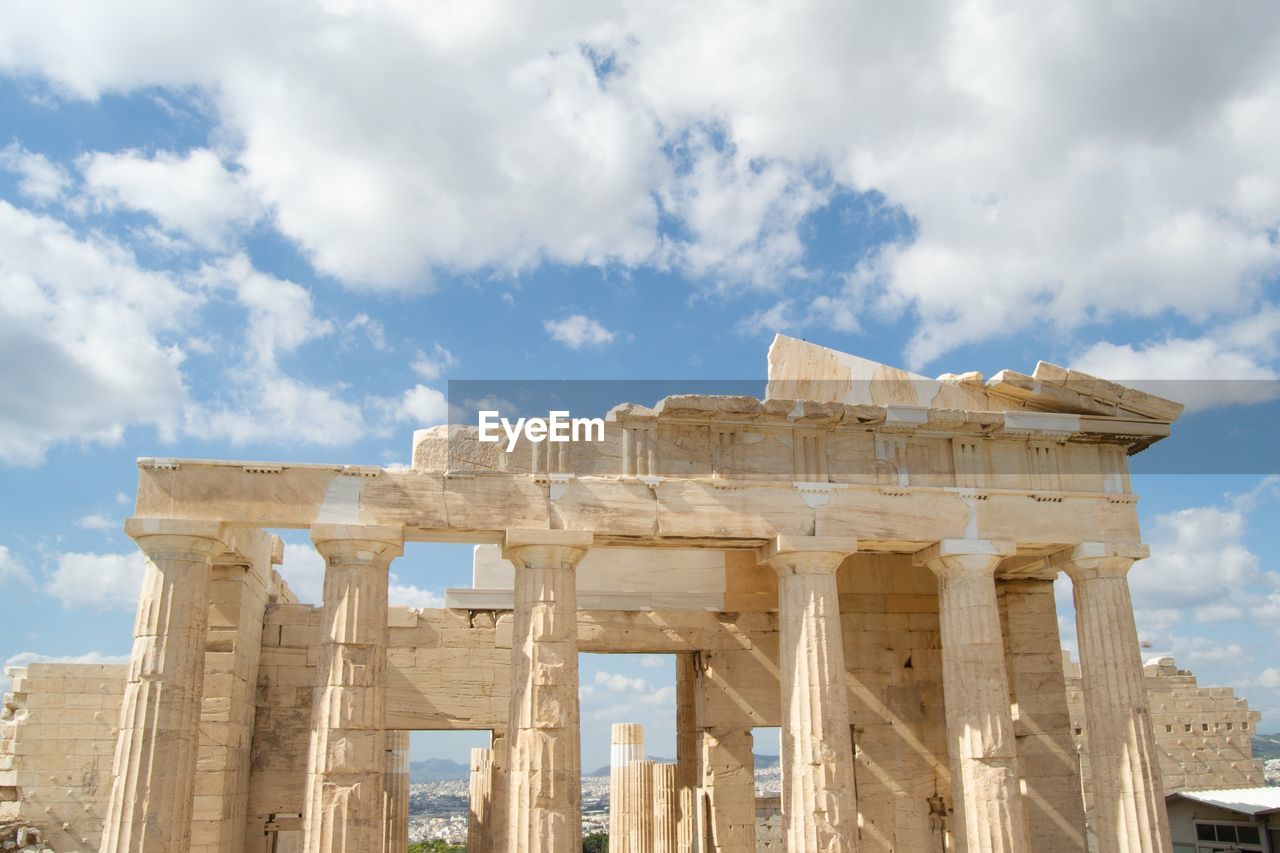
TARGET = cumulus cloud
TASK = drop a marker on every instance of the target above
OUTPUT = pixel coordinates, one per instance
(432, 365)
(577, 331)
(98, 581)
(1228, 364)
(94, 333)
(303, 570)
(12, 570)
(39, 179)
(193, 195)
(94, 521)
(407, 595)
(1053, 174)
(260, 401)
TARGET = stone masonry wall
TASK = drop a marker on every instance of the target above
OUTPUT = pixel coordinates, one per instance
(1202, 733)
(57, 742)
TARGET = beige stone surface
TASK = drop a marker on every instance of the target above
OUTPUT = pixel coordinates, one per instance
(916, 681)
(346, 760)
(154, 769)
(1129, 810)
(989, 813)
(638, 807)
(728, 790)
(544, 799)
(58, 729)
(626, 745)
(666, 809)
(395, 793)
(819, 802)
(481, 817)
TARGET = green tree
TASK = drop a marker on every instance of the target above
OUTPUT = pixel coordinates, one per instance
(595, 843)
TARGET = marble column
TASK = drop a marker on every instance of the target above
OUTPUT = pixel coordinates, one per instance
(819, 805)
(480, 816)
(728, 782)
(666, 809)
(544, 799)
(498, 815)
(396, 793)
(686, 751)
(637, 814)
(155, 760)
(988, 809)
(626, 744)
(345, 766)
(1128, 791)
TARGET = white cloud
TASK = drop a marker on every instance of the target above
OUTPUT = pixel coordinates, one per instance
(303, 570)
(194, 194)
(92, 332)
(373, 330)
(1052, 176)
(418, 405)
(653, 661)
(101, 523)
(1269, 678)
(407, 595)
(12, 570)
(98, 581)
(618, 683)
(260, 402)
(1226, 365)
(38, 179)
(432, 366)
(577, 331)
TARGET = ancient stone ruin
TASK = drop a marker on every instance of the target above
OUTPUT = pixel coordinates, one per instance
(865, 558)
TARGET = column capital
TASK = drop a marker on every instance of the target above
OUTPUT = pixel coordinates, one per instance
(801, 555)
(528, 548)
(176, 536)
(358, 543)
(963, 556)
(1098, 559)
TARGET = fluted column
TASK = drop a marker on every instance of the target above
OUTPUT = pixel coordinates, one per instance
(637, 792)
(819, 805)
(480, 817)
(1128, 792)
(498, 814)
(396, 793)
(626, 745)
(155, 759)
(666, 809)
(988, 806)
(544, 801)
(686, 750)
(345, 766)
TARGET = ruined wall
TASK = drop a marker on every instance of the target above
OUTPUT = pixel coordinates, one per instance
(57, 743)
(1202, 733)
(771, 834)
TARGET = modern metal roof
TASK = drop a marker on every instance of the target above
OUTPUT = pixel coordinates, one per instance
(1249, 801)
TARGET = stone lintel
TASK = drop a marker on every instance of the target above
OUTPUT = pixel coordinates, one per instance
(965, 548)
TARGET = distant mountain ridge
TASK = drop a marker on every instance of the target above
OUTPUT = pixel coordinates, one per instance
(437, 770)
(762, 761)
(1266, 746)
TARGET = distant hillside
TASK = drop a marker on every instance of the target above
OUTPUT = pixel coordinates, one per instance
(437, 770)
(762, 762)
(1266, 746)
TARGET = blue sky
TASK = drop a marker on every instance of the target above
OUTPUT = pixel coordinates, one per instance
(277, 232)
